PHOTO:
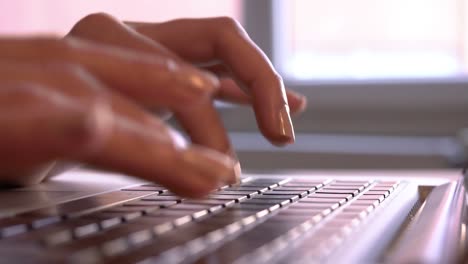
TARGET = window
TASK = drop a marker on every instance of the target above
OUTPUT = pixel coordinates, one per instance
(367, 39)
(380, 70)
(21, 17)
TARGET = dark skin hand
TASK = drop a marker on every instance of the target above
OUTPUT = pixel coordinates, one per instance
(85, 97)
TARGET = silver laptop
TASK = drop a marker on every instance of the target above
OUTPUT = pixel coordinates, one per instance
(85, 216)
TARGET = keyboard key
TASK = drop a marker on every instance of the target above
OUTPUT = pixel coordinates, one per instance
(352, 215)
(157, 197)
(13, 226)
(44, 221)
(227, 197)
(171, 213)
(114, 247)
(301, 189)
(279, 192)
(232, 213)
(301, 211)
(267, 201)
(250, 207)
(237, 193)
(376, 192)
(108, 219)
(152, 188)
(360, 188)
(88, 205)
(129, 212)
(150, 221)
(17, 225)
(382, 189)
(330, 195)
(270, 196)
(246, 188)
(84, 230)
(309, 199)
(351, 182)
(200, 214)
(100, 238)
(184, 206)
(147, 203)
(379, 197)
(358, 208)
(374, 203)
(331, 191)
(62, 232)
(207, 201)
(301, 185)
(300, 204)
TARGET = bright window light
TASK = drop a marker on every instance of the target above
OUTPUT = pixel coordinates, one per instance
(368, 39)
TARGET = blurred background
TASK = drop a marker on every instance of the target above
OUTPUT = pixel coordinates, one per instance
(387, 81)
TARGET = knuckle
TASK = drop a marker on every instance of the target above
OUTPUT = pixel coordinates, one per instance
(78, 76)
(66, 48)
(92, 20)
(277, 81)
(13, 92)
(276, 77)
(71, 71)
(92, 129)
(99, 16)
(172, 155)
(228, 24)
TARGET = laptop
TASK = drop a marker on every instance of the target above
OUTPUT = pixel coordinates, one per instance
(88, 216)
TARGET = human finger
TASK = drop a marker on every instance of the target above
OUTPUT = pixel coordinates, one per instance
(234, 91)
(133, 146)
(201, 120)
(150, 79)
(205, 127)
(229, 91)
(223, 39)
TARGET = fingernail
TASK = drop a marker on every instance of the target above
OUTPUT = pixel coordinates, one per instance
(237, 170)
(237, 173)
(303, 103)
(200, 82)
(285, 129)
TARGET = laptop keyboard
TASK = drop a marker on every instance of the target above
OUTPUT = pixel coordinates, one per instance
(254, 221)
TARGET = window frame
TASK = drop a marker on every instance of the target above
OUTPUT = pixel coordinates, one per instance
(353, 106)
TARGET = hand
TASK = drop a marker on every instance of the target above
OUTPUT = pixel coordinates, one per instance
(84, 97)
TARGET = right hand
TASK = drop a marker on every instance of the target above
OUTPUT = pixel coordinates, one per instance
(84, 97)
(53, 106)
